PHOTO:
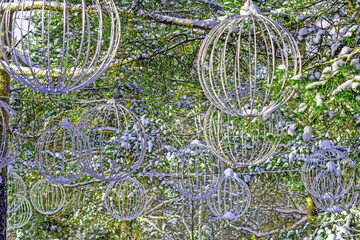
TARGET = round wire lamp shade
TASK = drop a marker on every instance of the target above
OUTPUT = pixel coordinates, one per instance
(195, 171)
(232, 198)
(242, 141)
(7, 155)
(244, 64)
(125, 199)
(47, 197)
(59, 152)
(328, 173)
(117, 140)
(58, 46)
(16, 191)
(21, 216)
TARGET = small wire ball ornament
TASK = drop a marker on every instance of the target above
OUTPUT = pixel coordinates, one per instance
(117, 140)
(328, 173)
(21, 216)
(7, 153)
(195, 171)
(58, 46)
(244, 64)
(59, 152)
(125, 199)
(47, 197)
(232, 198)
(333, 204)
(242, 141)
(16, 191)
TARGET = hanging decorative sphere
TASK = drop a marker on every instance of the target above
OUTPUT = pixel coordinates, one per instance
(117, 139)
(21, 216)
(59, 152)
(242, 141)
(331, 204)
(7, 155)
(328, 173)
(47, 197)
(245, 62)
(195, 171)
(16, 191)
(125, 199)
(58, 46)
(232, 198)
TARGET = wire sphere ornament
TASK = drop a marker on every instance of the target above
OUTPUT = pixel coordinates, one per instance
(7, 153)
(21, 216)
(125, 199)
(47, 197)
(232, 198)
(16, 191)
(117, 140)
(334, 204)
(58, 46)
(328, 173)
(59, 152)
(195, 171)
(244, 64)
(242, 141)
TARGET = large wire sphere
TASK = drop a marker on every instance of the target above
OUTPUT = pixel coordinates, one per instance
(244, 64)
(242, 141)
(232, 198)
(16, 191)
(7, 153)
(58, 46)
(125, 199)
(328, 173)
(21, 216)
(47, 197)
(117, 140)
(59, 152)
(195, 171)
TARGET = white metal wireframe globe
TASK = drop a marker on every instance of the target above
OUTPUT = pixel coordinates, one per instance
(245, 62)
(328, 173)
(16, 191)
(7, 153)
(58, 46)
(232, 198)
(195, 171)
(117, 140)
(47, 197)
(242, 141)
(334, 204)
(59, 152)
(125, 199)
(21, 216)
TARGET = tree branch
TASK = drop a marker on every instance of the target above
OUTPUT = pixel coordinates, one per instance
(59, 6)
(276, 231)
(150, 55)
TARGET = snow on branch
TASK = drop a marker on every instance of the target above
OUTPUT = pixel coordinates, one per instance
(59, 6)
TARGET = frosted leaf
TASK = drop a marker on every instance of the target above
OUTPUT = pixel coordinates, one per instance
(307, 135)
(303, 31)
(292, 129)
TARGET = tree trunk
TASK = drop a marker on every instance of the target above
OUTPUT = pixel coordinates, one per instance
(3, 203)
(4, 91)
